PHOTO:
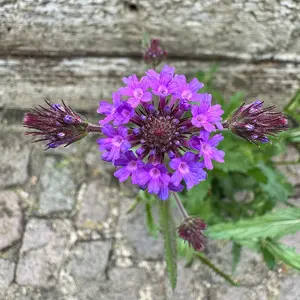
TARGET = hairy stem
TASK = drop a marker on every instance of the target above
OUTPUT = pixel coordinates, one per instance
(180, 206)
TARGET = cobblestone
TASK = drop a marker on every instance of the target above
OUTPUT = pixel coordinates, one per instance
(44, 250)
(10, 219)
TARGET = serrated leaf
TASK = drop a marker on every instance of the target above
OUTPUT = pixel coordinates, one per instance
(269, 258)
(236, 255)
(277, 224)
(287, 255)
(258, 174)
(169, 235)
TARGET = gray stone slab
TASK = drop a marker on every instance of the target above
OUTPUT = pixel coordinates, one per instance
(44, 250)
(83, 82)
(6, 273)
(133, 228)
(95, 206)
(226, 292)
(14, 158)
(11, 219)
(86, 270)
(241, 29)
(290, 288)
(58, 189)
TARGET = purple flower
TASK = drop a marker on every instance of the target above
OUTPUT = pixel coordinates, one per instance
(109, 109)
(188, 169)
(253, 123)
(207, 148)
(136, 90)
(156, 179)
(115, 144)
(162, 84)
(206, 115)
(131, 166)
(161, 134)
(188, 91)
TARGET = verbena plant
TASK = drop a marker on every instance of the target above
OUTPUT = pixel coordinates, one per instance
(165, 135)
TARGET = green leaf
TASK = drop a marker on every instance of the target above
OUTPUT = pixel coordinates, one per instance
(152, 228)
(207, 262)
(145, 40)
(236, 255)
(169, 235)
(269, 258)
(258, 175)
(287, 255)
(277, 224)
(277, 187)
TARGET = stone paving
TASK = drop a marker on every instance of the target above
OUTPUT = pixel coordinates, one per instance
(65, 235)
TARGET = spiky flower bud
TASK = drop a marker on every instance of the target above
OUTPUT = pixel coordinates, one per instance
(57, 124)
(191, 230)
(253, 123)
(154, 54)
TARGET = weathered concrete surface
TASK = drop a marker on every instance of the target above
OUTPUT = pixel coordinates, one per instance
(82, 82)
(188, 27)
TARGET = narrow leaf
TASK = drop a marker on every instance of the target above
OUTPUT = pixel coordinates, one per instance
(150, 220)
(277, 224)
(269, 258)
(207, 262)
(236, 255)
(287, 255)
(169, 235)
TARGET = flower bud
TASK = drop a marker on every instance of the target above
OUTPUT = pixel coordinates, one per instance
(253, 123)
(191, 230)
(155, 54)
(56, 124)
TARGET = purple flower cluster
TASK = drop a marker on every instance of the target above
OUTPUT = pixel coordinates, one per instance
(158, 132)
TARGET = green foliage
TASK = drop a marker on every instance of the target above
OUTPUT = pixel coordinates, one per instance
(169, 235)
(271, 225)
(237, 199)
(282, 253)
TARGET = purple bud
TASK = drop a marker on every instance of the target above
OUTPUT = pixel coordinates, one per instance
(69, 119)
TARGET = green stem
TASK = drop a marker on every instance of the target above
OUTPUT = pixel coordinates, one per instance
(93, 128)
(180, 206)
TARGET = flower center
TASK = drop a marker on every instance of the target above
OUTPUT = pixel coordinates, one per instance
(132, 165)
(138, 93)
(163, 90)
(201, 118)
(117, 140)
(160, 133)
(186, 94)
(183, 167)
(154, 173)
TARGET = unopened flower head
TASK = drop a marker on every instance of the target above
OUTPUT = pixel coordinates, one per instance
(254, 123)
(154, 54)
(191, 230)
(57, 124)
(158, 132)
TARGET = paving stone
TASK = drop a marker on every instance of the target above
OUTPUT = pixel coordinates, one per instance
(226, 292)
(133, 228)
(44, 250)
(14, 158)
(251, 269)
(6, 273)
(86, 268)
(58, 189)
(95, 206)
(125, 284)
(290, 288)
(291, 171)
(189, 285)
(10, 219)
